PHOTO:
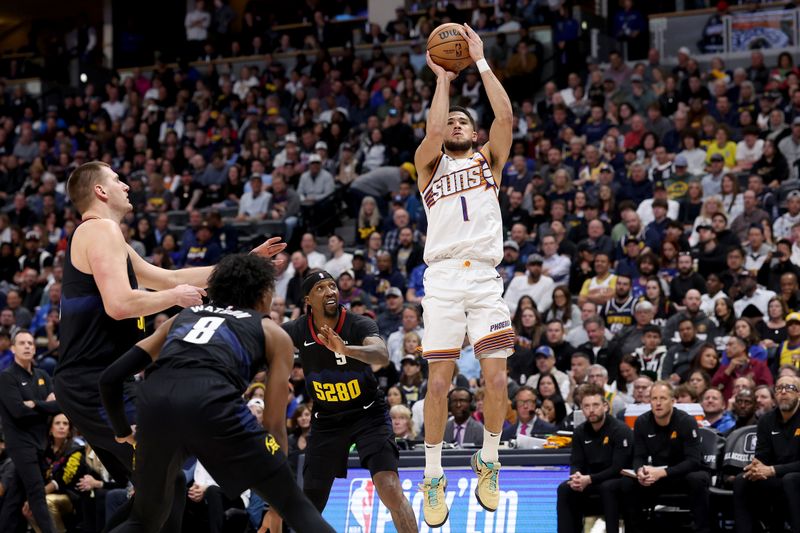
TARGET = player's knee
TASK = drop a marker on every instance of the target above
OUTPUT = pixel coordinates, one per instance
(438, 386)
(389, 489)
(496, 384)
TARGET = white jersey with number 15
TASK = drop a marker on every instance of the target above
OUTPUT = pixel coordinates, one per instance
(464, 220)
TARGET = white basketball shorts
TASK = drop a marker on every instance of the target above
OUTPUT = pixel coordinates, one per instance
(463, 296)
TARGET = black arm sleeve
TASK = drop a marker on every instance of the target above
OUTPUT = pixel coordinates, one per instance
(111, 385)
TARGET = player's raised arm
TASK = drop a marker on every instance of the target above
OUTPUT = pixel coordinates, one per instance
(280, 357)
(431, 146)
(107, 264)
(501, 132)
(160, 279)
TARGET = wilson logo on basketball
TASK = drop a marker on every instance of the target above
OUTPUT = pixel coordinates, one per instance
(453, 32)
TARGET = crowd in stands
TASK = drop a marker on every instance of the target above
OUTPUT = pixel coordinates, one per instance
(652, 211)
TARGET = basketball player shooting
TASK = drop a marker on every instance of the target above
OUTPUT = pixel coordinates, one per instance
(463, 292)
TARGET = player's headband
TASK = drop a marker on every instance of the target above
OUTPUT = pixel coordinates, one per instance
(314, 278)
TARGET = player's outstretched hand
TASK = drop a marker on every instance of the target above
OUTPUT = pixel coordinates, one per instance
(438, 70)
(474, 42)
(130, 439)
(331, 339)
(188, 295)
(270, 248)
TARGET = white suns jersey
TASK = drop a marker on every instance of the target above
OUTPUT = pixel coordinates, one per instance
(464, 220)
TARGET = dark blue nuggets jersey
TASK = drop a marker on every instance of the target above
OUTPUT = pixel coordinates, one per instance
(618, 316)
(89, 337)
(338, 384)
(227, 340)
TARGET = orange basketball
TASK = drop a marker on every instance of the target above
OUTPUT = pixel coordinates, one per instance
(448, 48)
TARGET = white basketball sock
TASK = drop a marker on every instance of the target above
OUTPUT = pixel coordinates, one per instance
(433, 460)
(491, 441)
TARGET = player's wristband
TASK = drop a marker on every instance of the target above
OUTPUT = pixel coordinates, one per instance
(482, 65)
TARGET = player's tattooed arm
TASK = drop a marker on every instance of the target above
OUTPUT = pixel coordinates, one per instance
(373, 351)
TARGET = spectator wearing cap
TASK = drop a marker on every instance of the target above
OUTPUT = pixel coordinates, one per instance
(328, 163)
(782, 228)
(346, 169)
(749, 149)
(536, 285)
(751, 294)
(348, 292)
(511, 265)
(788, 352)
(651, 353)
(740, 364)
(254, 204)
(316, 184)
(789, 146)
(712, 182)
(35, 257)
(362, 270)
(205, 252)
(628, 263)
(646, 210)
(640, 95)
(340, 260)
(546, 364)
(411, 318)
(391, 318)
(188, 192)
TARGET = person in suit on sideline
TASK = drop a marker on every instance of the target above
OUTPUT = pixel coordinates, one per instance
(461, 428)
(527, 422)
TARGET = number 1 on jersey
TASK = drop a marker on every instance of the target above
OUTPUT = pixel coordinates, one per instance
(464, 209)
